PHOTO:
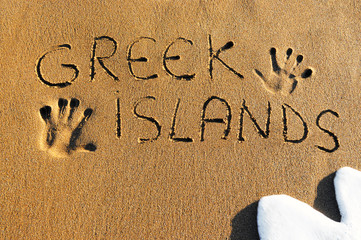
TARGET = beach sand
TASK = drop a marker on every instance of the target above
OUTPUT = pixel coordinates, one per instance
(129, 162)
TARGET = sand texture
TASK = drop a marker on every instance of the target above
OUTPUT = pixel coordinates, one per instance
(159, 119)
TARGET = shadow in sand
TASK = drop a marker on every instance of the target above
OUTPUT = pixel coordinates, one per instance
(244, 224)
(325, 201)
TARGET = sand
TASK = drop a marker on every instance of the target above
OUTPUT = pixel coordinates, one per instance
(171, 119)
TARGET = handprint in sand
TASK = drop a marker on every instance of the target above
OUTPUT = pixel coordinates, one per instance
(62, 130)
(283, 79)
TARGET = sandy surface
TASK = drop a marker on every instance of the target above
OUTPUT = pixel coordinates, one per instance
(95, 175)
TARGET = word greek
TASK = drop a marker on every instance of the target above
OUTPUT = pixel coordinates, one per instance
(131, 60)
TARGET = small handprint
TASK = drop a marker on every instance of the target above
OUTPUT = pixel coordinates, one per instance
(62, 132)
(284, 79)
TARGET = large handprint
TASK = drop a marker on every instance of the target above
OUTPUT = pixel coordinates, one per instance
(62, 132)
(283, 79)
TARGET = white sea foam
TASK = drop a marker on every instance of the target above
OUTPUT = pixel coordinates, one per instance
(281, 217)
